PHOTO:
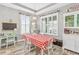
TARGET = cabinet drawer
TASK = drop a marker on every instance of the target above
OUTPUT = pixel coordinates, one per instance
(68, 44)
(77, 44)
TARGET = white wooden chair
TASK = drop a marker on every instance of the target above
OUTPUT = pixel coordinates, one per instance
(49, 47)
(27, 46)
(9, 35)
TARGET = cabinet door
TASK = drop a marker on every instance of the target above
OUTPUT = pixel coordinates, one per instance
(55, 25)
(49, 25)
(55, 32)
(43, 26)
(46, 25)
(68, 43)
(69, 21)
(77, 43)
(77, 20)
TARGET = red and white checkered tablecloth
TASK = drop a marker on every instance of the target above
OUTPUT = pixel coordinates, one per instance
(39, 40)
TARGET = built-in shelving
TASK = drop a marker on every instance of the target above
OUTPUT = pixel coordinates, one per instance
(7, 38)
(71, 31)
(49, 24)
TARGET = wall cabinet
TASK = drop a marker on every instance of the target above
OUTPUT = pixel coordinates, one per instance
(7, 38)
(69, 42)
(71, 31)
(77, 20)
(71, 20)
(49, 24)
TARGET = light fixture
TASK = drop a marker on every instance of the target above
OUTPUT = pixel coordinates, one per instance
(15, 29)
(33, 23)
(34, 17)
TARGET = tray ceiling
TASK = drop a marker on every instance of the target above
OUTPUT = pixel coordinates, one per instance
(34, 8)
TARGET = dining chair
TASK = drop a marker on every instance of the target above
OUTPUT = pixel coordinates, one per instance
(49, 47)
(27, 46)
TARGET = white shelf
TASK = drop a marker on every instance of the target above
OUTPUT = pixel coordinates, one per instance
(8, 39)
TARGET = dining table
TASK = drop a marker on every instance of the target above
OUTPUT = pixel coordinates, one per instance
(39, 40)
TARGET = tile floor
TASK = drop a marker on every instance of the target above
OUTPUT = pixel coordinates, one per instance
(19, 50)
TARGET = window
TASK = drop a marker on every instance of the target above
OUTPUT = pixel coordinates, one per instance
(25, 24)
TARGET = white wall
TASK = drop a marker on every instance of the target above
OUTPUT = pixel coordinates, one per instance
(8, 15)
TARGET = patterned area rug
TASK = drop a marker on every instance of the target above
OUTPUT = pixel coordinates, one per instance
(20, 50)
(54, 51)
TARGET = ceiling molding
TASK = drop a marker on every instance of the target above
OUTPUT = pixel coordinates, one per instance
(26, 7)
(16, 7)
(46, 9)
(18, 4)
(54, 7)
(52, 4)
